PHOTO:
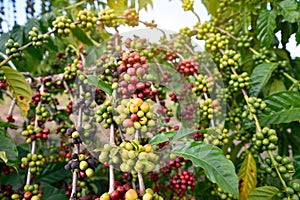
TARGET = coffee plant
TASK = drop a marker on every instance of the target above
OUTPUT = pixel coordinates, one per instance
(98, 114)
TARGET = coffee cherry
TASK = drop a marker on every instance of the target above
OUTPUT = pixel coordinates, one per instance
(131, 194)
(131, 17)
(87, 20)
(63, 25)
(108, 17)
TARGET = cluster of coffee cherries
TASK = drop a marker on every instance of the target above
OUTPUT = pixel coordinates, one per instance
(6, 192)
(216, 42)
(256, 106)
(84, 165)
(70, 71)
(37, 39)
(134, 67)
(239, 81)
(244, 41)
(164, 113)
(222, 194)
(10, 118)
(32, 134)
(174, 162)
(42, 114)
(35, 162)
(217, 136)
(75, 134)
(104, 113)
(202, 84)
(292, 191)
(63, 25)
(6, 169)
(188, 67)
(229, 59)
(130, 156)
(208, 109)
(131, 17)
(87, 20)
(108, 17)
(264, 140)
(181, 183)
(205, 29)
(283, 164)
(135, 114)
(187, 5)
(12, 49)
(2, 80)
(32, 192)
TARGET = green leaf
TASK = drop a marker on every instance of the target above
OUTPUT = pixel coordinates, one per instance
(160, 138)
(21, 90)
(8, 149)
(94, 80)
(247, 176)
(263, 193)
(266, 24)
(277, 85)
(289, 10)
(182, 132)
(53, 173)
(217, 168)
(53, 193)
(211, 6)
(260, 76)
(8, 125)
(298, 33)
(283, 101)
(119, 6)
(144, 3)
(81, 36)
(284, 108)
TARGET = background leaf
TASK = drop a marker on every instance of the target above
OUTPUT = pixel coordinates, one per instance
(94, 80)
(263, 193)
(218, 169)
(53, 173)
(266, 24)
(260, 76)
(284, 108)
(247, 176)
(8, 149)
(289, 10)
(160, 138)
(21, 90)
(143, 4)
(53, 193)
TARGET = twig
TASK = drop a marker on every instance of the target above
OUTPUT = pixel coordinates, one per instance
(141, 183)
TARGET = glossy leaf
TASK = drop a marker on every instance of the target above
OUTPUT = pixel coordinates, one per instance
(263, 193)
(8, 149)
(260, 76)
(161, 137)
(53, 193)
(289, 9)
(277, 85)
(20, 89)
(94, 80)
(266, 24)
(53, 173)
(81, 36)
(284, 108)
(247, 176)
(211, 6)
(182, 132)
(217, 168)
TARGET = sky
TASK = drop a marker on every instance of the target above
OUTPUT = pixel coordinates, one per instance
(167, 14)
